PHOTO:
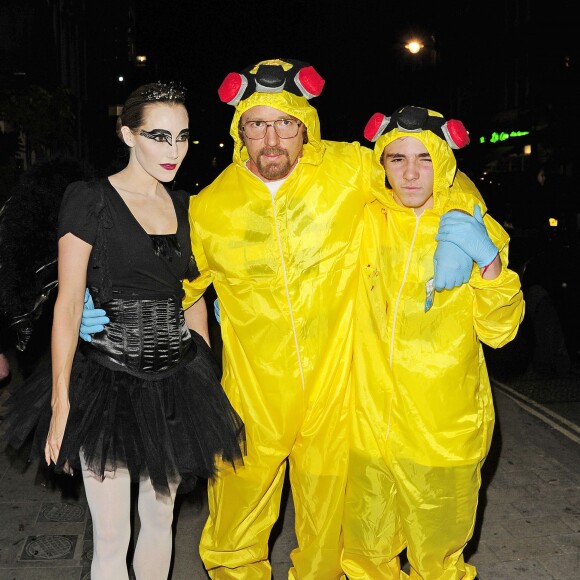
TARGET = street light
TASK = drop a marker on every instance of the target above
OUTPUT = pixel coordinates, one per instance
(414, 46)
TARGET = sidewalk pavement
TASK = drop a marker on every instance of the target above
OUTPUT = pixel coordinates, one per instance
(528, 524)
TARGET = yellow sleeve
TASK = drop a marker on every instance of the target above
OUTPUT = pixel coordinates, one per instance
(194, 289)
(499, 305)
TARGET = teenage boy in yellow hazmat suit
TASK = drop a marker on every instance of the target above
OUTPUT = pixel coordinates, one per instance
(278, 234)
(422, 416)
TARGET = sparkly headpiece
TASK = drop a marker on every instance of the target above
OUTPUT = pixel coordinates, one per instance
(415, 119)
(172, 91)
(271, 76)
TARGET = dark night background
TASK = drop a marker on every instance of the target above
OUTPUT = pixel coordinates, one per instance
(499, 65)
(506, 68)
(482, 60)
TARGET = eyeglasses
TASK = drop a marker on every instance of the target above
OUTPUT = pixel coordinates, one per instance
(285, 128)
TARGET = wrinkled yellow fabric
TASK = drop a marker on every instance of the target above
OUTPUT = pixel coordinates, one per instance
(422, 411)
(285, 272)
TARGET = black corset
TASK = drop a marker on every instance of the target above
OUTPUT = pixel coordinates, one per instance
(143, 337)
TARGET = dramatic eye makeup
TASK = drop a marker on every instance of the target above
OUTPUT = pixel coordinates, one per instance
(161, 135)
(183, 135)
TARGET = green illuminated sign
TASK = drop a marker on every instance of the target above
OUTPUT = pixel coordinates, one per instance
(503, 136)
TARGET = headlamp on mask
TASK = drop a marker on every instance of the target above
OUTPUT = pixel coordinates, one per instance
(415, 119)
(271, 76)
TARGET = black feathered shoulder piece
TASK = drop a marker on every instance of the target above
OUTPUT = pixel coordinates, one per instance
(28, 243)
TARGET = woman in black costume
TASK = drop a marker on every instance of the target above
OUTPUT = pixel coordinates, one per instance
(142, 401)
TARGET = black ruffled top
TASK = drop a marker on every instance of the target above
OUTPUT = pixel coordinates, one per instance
(96, 213)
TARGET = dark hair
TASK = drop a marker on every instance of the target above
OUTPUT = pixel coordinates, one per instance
(134, 107)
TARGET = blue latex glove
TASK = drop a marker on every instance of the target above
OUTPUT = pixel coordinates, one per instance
(452, 266)
(469, 233)
(93, 320)
(216, 310)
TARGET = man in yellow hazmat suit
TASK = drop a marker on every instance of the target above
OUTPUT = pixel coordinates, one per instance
(278, 234)
(422, 415)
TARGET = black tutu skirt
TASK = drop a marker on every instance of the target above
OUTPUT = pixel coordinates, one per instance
(173, 429)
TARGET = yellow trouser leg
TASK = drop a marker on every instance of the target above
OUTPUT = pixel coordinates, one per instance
(243, 506)
(372, 528)
(318, 465)
(438, 507)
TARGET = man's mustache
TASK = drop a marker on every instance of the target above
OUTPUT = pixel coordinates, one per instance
(273, 151)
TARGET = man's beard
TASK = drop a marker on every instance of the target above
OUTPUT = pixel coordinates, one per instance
(276, 170)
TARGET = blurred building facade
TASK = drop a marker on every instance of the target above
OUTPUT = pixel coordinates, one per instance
(42, 83)
(513, 76)
(64, 68)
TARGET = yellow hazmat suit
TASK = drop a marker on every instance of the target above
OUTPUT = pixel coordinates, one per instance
(285, 270)
(422, 417)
